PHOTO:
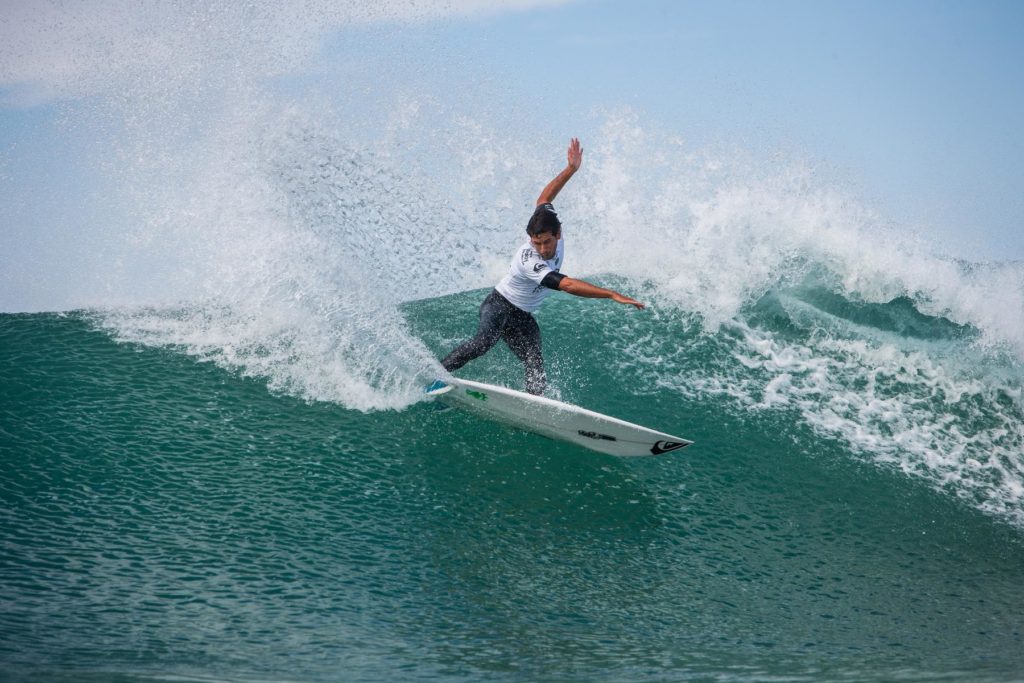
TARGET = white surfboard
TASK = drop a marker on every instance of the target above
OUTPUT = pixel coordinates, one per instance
(558, 420)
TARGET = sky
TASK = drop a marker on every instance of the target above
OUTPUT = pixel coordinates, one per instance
(913, 106)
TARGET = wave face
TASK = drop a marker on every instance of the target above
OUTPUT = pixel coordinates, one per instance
(849, 509)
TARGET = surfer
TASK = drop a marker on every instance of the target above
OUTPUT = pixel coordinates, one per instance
(507, 311)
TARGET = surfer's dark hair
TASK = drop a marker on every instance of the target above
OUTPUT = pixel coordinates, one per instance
(544, 219)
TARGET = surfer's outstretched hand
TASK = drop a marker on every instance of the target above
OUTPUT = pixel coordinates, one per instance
(620, 299)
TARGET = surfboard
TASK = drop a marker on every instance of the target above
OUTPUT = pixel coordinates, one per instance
(558, 420)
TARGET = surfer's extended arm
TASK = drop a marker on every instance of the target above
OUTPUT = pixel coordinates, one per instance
(585, 289)
(575, 159)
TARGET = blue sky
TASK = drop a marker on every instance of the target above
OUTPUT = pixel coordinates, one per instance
(914, 106)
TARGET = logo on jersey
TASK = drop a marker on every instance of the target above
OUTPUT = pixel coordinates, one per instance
(539, 267)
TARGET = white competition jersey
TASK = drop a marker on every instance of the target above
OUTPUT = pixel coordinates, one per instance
(522, 286)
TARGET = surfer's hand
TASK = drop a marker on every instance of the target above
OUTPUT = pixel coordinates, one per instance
(619, 299)
(575, 154)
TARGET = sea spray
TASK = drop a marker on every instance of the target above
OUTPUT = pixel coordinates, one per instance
(286, 291)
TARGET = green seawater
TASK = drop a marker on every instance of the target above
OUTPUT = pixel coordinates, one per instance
(165, 518)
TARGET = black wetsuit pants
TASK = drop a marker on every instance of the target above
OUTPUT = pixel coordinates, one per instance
(500, 319)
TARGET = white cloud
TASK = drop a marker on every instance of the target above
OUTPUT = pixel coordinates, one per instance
(51, 49)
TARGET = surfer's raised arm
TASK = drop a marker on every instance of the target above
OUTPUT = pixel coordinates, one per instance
(575, 160)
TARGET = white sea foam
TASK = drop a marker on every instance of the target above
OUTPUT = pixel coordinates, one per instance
(961, 433)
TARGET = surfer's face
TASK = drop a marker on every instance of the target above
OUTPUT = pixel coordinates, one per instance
(545, 244)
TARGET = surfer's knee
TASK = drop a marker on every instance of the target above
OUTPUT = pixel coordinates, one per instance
(486, 339)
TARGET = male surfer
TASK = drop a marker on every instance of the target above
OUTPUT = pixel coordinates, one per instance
(534, 272)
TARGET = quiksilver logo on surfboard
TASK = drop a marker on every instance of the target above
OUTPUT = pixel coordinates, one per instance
(666, 447)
